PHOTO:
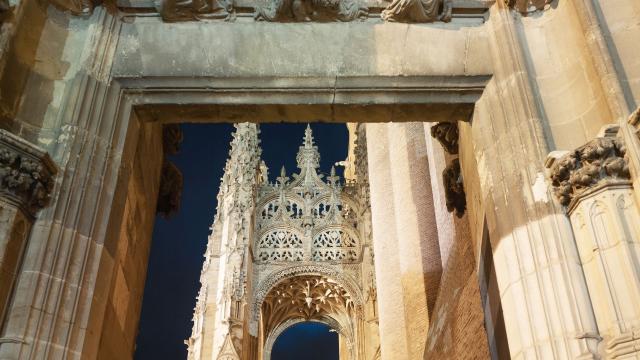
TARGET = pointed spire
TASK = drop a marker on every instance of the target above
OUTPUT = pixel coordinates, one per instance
(308, 137)
(308, 155)
(333, 179)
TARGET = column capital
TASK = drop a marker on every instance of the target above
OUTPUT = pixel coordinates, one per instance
(597, 164)
(26, 173)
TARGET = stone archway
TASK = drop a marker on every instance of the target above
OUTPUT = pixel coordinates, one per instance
(314, 298)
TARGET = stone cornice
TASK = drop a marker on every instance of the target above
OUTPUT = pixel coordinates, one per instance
(26, 173)
(599, 163)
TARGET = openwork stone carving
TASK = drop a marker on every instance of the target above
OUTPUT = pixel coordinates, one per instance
(447, 135)
(186, 10)
(527, 6)
(307, 210)
(312, 10)
(454, 189)
(598, 163)
(418, 11)
(26, 173)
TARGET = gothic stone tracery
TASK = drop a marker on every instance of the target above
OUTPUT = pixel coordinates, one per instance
(284, 252)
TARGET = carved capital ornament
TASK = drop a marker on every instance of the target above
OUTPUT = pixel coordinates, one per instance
(598, 163)
(26, 173)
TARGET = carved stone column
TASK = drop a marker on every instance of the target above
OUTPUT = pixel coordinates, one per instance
(25, 184)
(593, 182)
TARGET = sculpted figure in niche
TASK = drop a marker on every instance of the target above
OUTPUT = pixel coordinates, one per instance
(418, 11)
(311, 10)
(185, 10)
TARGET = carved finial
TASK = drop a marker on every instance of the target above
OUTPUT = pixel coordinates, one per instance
(308, 137)
(308, 155)
(333, 179)
(283, 178)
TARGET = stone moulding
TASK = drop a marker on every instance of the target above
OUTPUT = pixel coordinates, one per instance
(599, 163)
(26, 173)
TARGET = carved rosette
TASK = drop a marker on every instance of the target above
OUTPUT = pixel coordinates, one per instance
(528, 6)
(26, 173)
(599, 163)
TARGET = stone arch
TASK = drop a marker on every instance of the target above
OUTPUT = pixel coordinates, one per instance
(273, 336)
(276, 277)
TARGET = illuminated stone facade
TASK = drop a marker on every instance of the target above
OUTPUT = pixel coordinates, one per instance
(538, 258)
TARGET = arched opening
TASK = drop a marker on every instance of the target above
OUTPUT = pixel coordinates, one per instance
(307, 340)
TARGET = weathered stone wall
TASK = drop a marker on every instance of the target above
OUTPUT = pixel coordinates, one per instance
(131, 252)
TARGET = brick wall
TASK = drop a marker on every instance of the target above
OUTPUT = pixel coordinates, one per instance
(456, 330)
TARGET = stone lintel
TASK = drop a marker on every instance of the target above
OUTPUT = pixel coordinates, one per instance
(26, 173)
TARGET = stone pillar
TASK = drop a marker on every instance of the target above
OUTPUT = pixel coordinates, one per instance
(25, 183)
(593, 182)
(404, 236)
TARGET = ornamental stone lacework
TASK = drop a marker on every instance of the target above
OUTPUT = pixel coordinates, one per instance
(306, 218)
(296, 249)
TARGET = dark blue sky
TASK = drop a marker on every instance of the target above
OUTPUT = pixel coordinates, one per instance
(179, 243)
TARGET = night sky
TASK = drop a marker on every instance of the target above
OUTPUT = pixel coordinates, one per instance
(179, 242)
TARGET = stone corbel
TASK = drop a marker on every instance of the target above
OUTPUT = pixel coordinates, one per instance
(594, 184)
(26, 173)
(528, 6)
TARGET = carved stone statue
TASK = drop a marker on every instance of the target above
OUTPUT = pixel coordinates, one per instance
(418, 11)
(311, 10)
(447, 135)
(185, 10)
(454, 189)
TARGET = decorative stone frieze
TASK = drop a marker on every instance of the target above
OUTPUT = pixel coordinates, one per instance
(453, 188)
(418, 11)
(598, 163)
(312, 10)
(447, 135)
(528, 6)
(26, 173)
(187, 10)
